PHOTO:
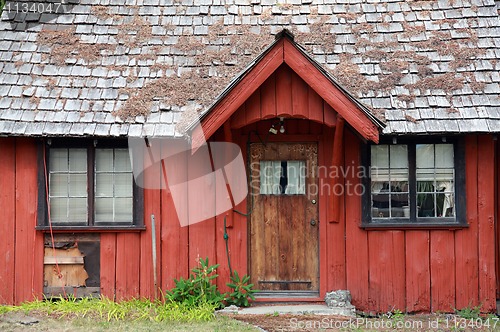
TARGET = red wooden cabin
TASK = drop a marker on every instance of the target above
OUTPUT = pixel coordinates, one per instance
(401, 211)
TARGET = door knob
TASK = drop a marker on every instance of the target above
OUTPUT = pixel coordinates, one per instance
(313, 201)
(313, 222)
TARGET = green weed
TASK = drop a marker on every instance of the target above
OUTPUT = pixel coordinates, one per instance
(242, 290)
(469, 312)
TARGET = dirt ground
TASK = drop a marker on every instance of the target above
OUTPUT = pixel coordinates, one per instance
(288, 323)
(20, 322)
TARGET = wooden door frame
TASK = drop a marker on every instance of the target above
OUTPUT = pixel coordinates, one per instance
(322, 204)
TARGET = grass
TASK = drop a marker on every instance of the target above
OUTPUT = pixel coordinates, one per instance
(220, 324)
(108, 310)
(100, 314)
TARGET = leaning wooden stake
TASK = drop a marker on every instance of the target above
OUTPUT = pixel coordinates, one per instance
(153, 244)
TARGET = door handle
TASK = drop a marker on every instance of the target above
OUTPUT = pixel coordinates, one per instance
(313, 222)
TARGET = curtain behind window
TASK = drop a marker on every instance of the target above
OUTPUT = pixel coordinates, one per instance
(282, 177)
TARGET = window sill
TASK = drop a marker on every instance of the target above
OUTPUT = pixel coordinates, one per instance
(86, 229)
(409, 226)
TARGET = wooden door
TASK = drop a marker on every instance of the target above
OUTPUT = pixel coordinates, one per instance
(284, 228)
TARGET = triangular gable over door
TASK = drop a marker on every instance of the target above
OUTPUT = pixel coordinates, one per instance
(285, 51)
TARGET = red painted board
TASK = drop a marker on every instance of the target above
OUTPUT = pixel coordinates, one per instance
(174, 244)
(268, 98)
(223, 269)
(466, 240)
(356, 238)
(486, 222)
(418, 277)
(387, 270)
(283, 92)
(338, 181)
(201, 201)
(300, 101)
(238, 119)
(152, 206)
(29, 268)
(315, 105)
(442, 259)
(252, 108)
(7, 226)
(332, 241)
(108, 265)
(238, 243)
(127, 265)
(329, 115)
(174, 238)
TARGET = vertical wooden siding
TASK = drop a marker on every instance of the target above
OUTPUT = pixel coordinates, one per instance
(414, 270)
(427, 270)
(21, 246)
(7, 226)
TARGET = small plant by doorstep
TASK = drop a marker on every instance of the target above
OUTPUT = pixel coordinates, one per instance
(242, 291)
(200, 287)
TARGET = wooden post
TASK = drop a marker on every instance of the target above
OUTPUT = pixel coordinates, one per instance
(228, 137)
(338, 151)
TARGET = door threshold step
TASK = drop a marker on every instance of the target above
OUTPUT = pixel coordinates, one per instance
(282, 309)
(286, 294)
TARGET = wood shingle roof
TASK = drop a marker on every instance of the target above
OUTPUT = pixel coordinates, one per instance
(136, 67)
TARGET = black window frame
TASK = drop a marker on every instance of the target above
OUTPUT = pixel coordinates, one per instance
(90, 145)
(460, 219)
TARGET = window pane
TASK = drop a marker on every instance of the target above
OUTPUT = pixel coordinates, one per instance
(123, 209)
(123, 185)
(78, 160)
(77, 210)
(380, 174)
(444, 174)
(398, 174)
(122, 161)
(380, 156)
(435, 181)
(399, 186)
(77, 185)
(58, 160)
(425, 156)
(68, 185)
(399, 156)
(58, 209)
(104, 160)
(104, 185)
(270, 174)
(390, 183)
(280, 177)
(398, 201)
(426, 205)
(425, 186)
(380, 207)
(425, 174)
(104, 209)
(444, 156)
(114, 186)
(296, 173)
(58, 184)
